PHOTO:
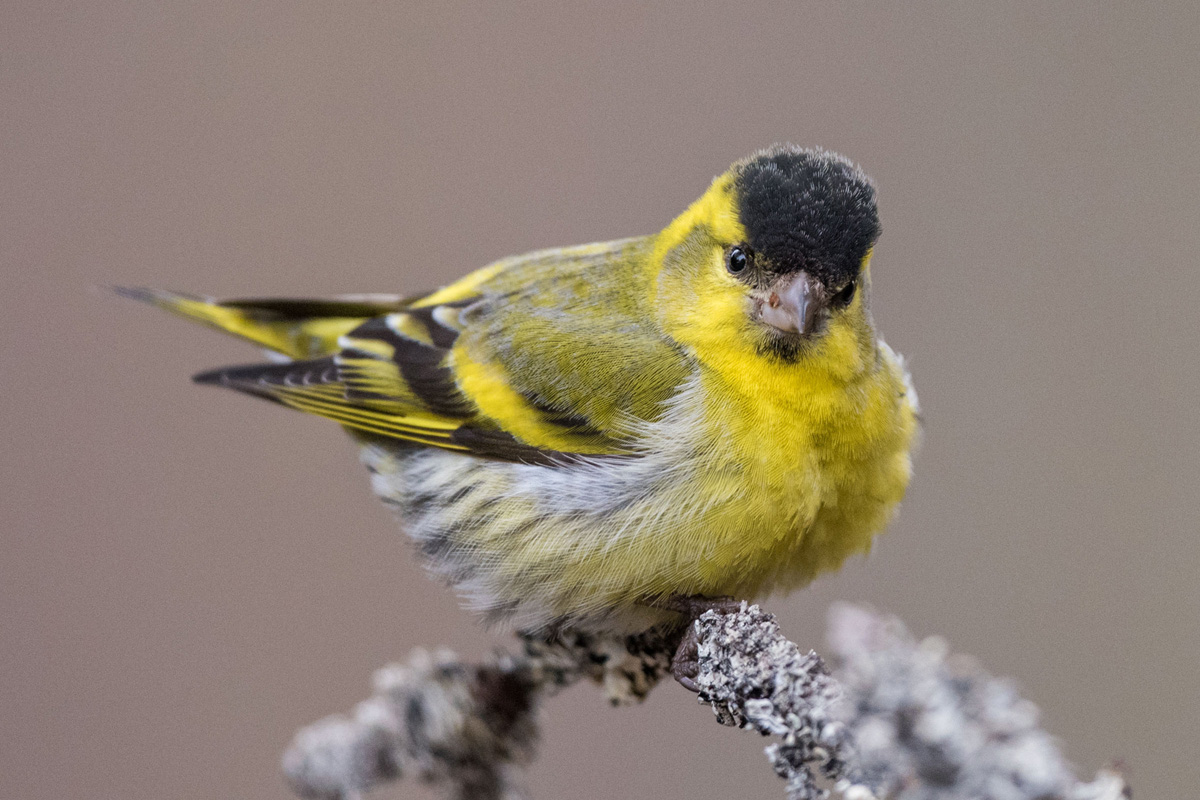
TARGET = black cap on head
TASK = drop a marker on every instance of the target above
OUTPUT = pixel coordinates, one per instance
(808, 210)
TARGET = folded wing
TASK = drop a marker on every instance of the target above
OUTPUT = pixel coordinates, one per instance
(539, 359)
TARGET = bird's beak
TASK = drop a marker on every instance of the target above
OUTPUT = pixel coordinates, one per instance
(793, 304)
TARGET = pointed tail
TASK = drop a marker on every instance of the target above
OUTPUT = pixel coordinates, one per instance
(298, 329)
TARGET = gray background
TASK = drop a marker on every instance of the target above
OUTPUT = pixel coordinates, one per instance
(188, 575)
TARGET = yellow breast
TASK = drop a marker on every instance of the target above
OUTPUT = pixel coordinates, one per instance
(756, 480)
(821, 463)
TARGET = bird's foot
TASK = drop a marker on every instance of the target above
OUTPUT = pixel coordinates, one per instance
(685, 665)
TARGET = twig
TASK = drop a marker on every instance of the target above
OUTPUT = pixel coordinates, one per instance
(897, 720)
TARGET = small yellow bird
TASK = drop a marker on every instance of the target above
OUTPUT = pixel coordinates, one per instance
(576, 435)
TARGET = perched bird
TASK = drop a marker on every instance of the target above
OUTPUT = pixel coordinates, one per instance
(574, 436)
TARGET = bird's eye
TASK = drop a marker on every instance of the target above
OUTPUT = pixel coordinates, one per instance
(737, 260)
(843, 298)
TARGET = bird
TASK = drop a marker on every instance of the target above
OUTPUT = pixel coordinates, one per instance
(575, 436)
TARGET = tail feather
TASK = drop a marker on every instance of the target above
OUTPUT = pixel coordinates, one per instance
(266, 380)
(298, 329)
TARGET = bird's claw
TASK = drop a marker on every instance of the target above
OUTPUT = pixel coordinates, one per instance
(685, 664)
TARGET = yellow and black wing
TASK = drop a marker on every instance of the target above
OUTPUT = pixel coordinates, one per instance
(389, 378)
(539, 358)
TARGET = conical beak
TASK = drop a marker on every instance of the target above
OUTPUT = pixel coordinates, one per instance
(793, 304)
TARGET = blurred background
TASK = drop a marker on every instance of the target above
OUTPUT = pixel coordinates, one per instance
(188, 575)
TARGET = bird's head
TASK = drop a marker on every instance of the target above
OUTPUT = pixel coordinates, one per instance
(773, 257)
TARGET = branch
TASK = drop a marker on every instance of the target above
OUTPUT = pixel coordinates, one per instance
(463, 726)
(898, 720)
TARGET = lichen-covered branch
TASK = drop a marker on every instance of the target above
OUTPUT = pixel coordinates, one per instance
(465, 727)
(896, 720)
